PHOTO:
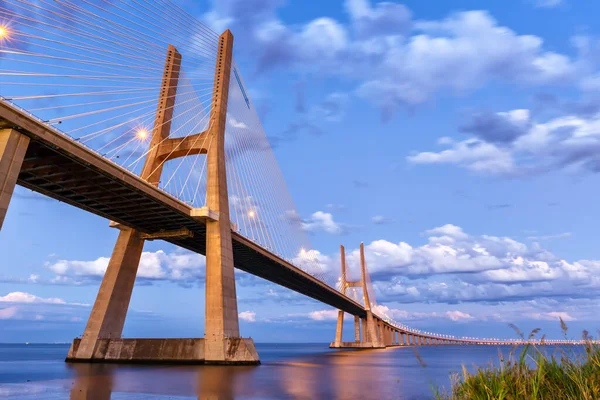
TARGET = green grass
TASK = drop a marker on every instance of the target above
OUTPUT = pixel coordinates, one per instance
(568, 373)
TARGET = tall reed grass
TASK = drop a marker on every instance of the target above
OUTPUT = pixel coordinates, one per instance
(529, 373)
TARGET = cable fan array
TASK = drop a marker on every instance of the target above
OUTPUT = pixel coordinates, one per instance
(93, 69)
(260, 204)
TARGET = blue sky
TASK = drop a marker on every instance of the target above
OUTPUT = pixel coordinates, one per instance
(460, 144)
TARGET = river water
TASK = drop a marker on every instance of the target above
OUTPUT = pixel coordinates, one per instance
(288, 371)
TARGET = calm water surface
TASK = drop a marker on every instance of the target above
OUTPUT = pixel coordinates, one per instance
(288, 371)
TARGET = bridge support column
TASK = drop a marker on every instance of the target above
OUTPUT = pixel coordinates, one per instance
(339, 328)
(374, 336)
(340, 321)
(222, 342)
(356, 329)
(13, 146)
(364, 335)
(110, 308)
(386, 334)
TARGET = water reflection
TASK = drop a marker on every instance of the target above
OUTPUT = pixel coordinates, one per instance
(286, 373)
(222, 382)
(99, 381)
(335, 375)
(92, 382)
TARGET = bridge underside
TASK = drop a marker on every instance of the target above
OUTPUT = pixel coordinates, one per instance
(60, 168)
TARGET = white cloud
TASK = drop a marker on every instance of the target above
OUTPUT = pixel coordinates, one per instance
(176, 266)
(8, 313)
(22, 297)
(385, 18)
(450, 230)
(323, 315)
(322, 221)
(472, 154)
(462, 52)
(321, 38)
(549, 237)
(248, 316)
(26, 306)
(552, 316)
(458, 315)
(380, 220)
(396, 61)
(395, 314)
(382, 255)
(236, 124)
(313, 262)
(525, 271)
(568, 143)
(454, 266)
(403, 315)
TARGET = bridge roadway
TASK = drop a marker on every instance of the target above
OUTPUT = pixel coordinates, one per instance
(62, 168)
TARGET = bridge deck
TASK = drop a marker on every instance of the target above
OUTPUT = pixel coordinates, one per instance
(60, 167)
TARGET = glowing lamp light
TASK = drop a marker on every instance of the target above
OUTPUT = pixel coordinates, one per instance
(251, 214)
(142, 134)
(3, 32)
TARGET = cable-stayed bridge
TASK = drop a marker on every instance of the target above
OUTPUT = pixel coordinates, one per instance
(137, 112)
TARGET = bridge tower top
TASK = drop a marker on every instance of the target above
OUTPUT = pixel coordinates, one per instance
(153, 164)
(360, 283)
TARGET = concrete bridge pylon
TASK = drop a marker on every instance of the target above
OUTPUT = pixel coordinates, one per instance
(222, 344)
(369, 331)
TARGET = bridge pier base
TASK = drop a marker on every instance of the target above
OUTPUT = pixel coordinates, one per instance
(13, 146)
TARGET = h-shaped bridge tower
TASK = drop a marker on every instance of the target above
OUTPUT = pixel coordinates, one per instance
(367, 330)
(222, 342)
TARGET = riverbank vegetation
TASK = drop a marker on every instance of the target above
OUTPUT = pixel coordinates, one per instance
(532, 372)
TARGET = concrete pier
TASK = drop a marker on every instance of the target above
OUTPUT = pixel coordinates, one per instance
(163, 351)
(13, 146)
